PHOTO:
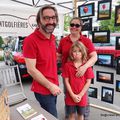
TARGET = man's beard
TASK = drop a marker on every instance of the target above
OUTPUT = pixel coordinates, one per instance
(48, 28)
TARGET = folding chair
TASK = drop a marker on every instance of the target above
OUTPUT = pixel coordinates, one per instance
(10, 76)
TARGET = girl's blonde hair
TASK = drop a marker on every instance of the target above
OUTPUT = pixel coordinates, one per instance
(83, 49)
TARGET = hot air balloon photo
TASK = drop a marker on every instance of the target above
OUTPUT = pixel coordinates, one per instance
(104, 10)
(86, 10)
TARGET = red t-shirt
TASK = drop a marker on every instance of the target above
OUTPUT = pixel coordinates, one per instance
(37, 46)
(76, 83)
(66, 43)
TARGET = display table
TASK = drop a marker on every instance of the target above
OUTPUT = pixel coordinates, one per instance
(14, 114)
(4, 107)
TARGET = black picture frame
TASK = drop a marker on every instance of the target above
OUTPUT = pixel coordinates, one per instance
(101, 36)
(92, 92)
(105, 60)
(104, 9)
(92, 81)
(107, 94)
(117, 45)
(118, 66)
(87, 24)
(117, 15)
(117, 85)
(86, 10)
(105, 77)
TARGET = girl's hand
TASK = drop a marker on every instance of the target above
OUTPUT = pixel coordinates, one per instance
(76, 98)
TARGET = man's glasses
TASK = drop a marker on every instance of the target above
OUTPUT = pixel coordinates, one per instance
(47, 18)
(76, 25)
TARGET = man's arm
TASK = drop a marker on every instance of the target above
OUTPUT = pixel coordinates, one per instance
(90, 62)
(39, 77)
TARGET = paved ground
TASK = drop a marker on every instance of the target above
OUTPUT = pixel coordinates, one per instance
(95, 114)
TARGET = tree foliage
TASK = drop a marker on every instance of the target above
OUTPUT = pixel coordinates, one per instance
(1, 42)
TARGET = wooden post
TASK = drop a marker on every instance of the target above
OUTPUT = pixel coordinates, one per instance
(75, 8)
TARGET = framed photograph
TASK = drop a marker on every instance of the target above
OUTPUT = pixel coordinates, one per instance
(117, 85)
(105, 60)
(104, 9)
(86, 10)
(117, 15)
(92, 81)
(117, 46)
(87, 24)
(107, 94)
(92, 92)
(118, 66)
(105, 77)
(101, 36)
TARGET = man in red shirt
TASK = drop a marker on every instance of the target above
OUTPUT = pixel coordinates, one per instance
(39, 51)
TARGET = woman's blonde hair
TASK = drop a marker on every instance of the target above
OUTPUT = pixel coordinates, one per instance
(83, 49)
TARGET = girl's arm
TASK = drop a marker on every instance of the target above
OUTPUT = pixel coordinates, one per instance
(68, 87)
(85, 88)
(71, 93)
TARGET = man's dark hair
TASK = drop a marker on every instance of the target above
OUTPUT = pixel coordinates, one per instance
(40, 13)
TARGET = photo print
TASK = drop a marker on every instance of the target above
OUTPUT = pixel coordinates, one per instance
(87, 24)
(107, 94)
(117, 85)
(92, 92)
(105, 60)
(105, 77)
(104, 9)
(118, 66)
(117, 15)
(101, 36)
(92, 81)
(117, 43)
(86, 10)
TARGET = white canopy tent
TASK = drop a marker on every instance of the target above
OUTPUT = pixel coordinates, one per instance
(24, 11)
(63, 6)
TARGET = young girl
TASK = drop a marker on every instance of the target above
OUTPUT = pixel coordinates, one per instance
(76, 94)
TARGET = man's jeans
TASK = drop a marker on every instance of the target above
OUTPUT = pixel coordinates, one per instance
(47, 102)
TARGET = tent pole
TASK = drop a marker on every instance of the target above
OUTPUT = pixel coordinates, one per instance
(75, 7)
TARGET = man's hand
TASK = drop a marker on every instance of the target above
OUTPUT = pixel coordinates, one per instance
(55, 90)
(80, 71)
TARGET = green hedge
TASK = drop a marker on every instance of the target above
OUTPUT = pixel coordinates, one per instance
(1, 58)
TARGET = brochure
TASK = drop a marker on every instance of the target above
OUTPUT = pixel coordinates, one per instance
(26, 111)
(39, 117)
